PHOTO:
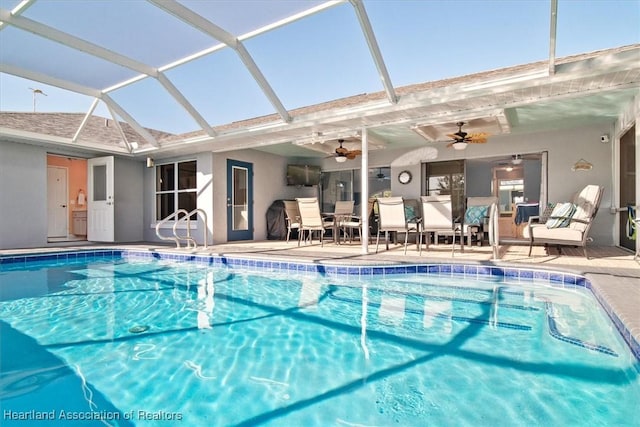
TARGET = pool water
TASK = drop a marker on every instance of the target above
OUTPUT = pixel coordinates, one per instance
(150, 343)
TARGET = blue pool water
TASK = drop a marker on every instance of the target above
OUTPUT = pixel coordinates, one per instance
(100, 341)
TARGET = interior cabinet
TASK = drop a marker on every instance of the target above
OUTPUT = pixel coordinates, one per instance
(79, 223)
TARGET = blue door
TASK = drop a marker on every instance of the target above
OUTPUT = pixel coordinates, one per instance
(239, 200)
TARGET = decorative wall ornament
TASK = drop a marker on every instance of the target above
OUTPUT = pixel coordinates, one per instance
(582, 165)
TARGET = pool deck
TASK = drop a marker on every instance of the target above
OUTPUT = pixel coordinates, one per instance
(612, 271)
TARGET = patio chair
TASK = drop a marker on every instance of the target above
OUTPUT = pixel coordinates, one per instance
(310, 218)
(392, 217)
(340, 218)
(355, 223)
(292, 216)
(477, 217)
(437, 217)
(569, 223)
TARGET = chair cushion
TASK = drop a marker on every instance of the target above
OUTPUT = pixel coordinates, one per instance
(561, 215)
(547, 212)
(475, 215)
(541, 234)
(409, 213)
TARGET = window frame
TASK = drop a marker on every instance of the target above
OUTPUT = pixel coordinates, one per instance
(176, 191)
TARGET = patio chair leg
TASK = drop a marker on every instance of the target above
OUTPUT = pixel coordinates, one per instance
(530, 246)
(406, 237)
(377, 241)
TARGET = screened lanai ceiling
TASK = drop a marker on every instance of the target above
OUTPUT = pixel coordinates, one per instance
(291, 77)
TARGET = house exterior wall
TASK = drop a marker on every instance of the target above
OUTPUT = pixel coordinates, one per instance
(23, 183)
(23, 196)
(269, 183)
(565, 147)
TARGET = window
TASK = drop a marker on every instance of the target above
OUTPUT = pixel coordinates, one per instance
(445, 178)
(345, 185)
(175, 188)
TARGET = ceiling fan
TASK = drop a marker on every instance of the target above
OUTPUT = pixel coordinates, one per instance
(343, 154)
(460, 139)
(380, 176)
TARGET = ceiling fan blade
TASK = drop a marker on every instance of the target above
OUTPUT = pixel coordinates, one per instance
(355, 152)
(449, 145)
(477, 140)
(453, 136)
(478, 135)
(341, 150)
(350, 156)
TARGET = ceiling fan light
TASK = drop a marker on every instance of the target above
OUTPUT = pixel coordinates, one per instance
(459, 145)
(341, 159)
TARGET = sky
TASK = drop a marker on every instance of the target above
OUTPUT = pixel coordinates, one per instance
(317, 59)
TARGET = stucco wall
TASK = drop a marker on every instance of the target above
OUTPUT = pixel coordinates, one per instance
(565, 147)
(23, 196)
(23, 182)
(269, 182)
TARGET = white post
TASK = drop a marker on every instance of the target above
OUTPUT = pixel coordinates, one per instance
(364, 193)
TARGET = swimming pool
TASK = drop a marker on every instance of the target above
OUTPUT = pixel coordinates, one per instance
(136, 338)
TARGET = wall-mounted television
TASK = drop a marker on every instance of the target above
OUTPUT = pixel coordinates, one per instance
(303, 175)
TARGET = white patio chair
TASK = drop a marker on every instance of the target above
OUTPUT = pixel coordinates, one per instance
(437, 217)
(292, 216)
(392, 217)
(310, 218)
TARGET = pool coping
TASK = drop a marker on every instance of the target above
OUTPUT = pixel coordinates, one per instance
(511, 274)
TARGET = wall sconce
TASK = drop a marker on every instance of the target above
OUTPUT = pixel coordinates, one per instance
(582, 165)
(150, 162)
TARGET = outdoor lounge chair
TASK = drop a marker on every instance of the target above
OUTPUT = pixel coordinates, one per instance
(310, 218)
(569, 223)
(437, 217)
(392, 217)
(292, 216)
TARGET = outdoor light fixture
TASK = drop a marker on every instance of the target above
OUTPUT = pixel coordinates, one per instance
(459, 145)
(150, 162)
(341, 159)
(508, 168)
(516, 159)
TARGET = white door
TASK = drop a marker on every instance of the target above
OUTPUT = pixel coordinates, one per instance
(57, 212)
(100, 201)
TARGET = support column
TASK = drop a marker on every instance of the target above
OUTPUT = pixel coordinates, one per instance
(364, 193)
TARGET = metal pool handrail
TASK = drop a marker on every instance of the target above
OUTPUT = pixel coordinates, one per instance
(177, 238)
